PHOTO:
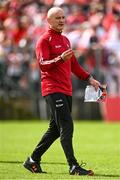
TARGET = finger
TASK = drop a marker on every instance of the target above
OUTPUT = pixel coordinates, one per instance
(69, 50)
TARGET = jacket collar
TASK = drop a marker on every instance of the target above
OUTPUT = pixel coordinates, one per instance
(54, 32)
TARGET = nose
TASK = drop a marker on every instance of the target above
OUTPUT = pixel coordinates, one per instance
(62, 19)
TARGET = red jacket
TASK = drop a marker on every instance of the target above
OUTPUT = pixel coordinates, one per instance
(55, 73)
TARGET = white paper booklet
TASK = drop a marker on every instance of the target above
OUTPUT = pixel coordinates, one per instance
(91, 95)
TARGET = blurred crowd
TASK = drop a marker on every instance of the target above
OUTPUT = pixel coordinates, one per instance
(93, 27)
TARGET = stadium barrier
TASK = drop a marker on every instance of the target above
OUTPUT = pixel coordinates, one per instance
(112, 109)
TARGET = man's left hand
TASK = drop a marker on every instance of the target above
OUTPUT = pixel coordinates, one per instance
(94, 83)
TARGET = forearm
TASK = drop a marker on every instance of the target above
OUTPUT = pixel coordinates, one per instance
(43, 54)
(46, 64)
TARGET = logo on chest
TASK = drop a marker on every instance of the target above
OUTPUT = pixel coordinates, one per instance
(58, 46)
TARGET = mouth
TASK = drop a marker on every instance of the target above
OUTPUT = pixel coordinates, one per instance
(61, 25)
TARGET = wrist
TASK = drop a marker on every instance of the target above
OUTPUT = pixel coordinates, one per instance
(90, 77)
(62, 58)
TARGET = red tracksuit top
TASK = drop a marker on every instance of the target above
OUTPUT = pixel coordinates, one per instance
(55, 73)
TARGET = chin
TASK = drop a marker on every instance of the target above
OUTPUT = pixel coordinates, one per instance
(60, 30)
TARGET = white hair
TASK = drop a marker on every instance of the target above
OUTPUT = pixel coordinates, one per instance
(53, 11)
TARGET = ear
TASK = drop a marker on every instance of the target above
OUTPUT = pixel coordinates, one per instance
(49, 20)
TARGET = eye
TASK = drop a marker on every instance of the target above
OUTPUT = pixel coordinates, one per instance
(58, 18)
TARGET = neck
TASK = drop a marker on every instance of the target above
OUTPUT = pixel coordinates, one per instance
(59, 31)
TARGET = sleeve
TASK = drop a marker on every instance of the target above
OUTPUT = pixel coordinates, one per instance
(78, 70)
(43, 54)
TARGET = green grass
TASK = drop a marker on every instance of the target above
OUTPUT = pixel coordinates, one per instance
(96, 143)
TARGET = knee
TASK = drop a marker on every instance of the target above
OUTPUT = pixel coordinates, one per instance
(66, 133)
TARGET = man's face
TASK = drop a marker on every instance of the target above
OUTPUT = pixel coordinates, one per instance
(57, 21)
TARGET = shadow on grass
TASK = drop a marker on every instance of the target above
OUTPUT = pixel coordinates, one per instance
(20, 162)
(107, 175)
(94, 177)
(61, 163)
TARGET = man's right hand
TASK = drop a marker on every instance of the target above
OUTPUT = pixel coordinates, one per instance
(66, 55)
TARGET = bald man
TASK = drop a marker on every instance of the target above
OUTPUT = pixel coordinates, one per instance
(56, 62)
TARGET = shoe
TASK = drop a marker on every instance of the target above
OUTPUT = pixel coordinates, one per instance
(77, 170)
(34, 167)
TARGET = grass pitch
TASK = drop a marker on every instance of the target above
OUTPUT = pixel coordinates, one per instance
(96, 143)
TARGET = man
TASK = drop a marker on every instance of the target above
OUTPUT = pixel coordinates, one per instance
(56, 61)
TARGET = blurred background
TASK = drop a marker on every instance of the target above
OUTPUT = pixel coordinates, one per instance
(93, 27)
